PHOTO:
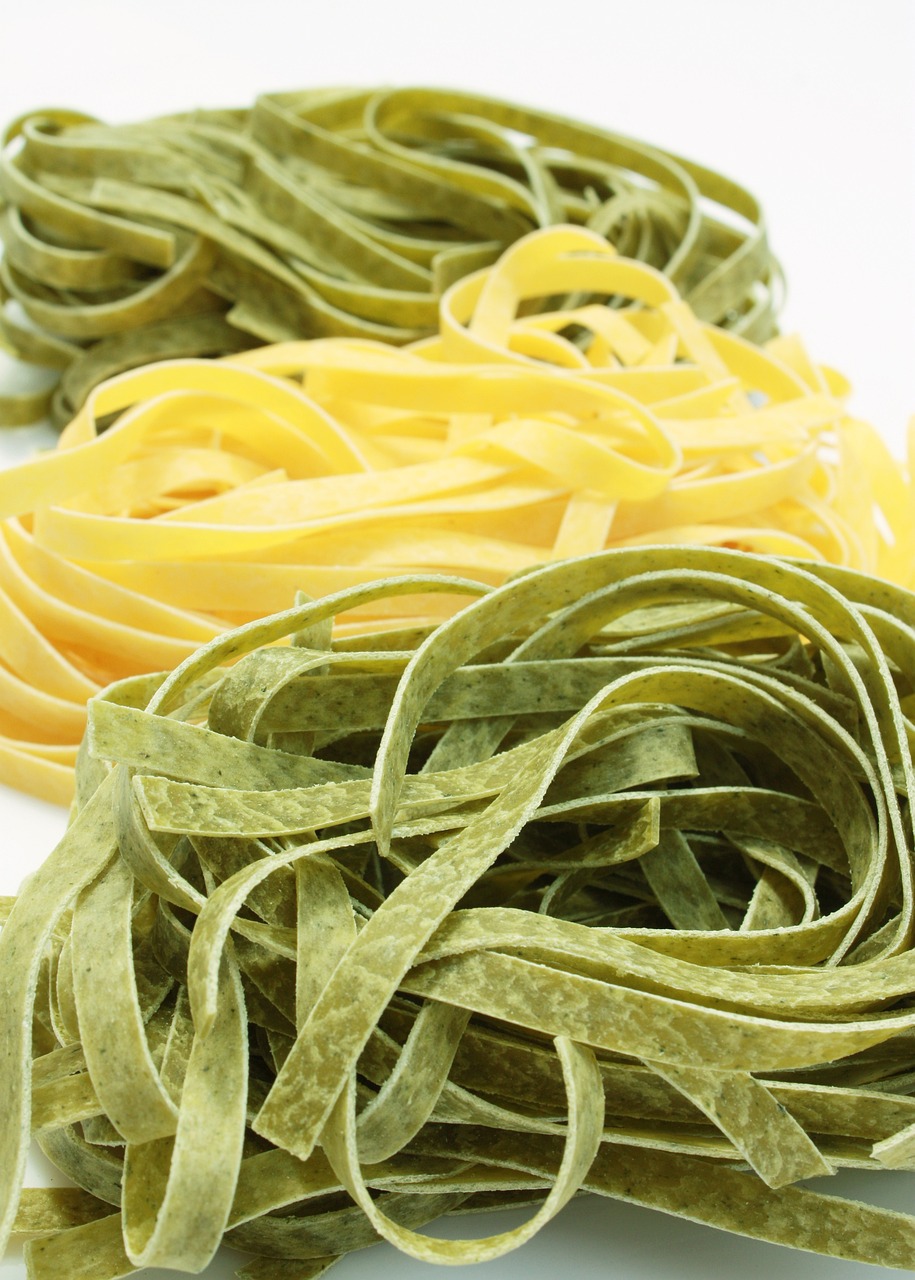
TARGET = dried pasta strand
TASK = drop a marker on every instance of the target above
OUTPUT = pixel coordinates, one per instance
(219, 489)
(397, 929)
(329, 212)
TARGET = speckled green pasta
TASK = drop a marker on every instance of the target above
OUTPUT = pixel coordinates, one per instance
(328, 212)
(602, 884)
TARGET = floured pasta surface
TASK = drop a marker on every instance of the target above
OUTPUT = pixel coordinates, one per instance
(328, 212)
(602, 883)
(513, 438)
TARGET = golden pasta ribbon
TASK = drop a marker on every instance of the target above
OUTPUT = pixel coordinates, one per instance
(600, 884)
(189, 496)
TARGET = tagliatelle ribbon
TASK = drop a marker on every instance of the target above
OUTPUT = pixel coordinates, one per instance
(328, 212)
(602, 883)
(220, 489)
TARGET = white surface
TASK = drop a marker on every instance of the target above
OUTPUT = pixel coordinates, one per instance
(809, 103)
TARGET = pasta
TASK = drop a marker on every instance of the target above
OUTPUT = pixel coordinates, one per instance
(219, 489)
(601, 883)
(327, 212)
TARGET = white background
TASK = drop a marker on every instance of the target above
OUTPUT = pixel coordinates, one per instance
(809, 103)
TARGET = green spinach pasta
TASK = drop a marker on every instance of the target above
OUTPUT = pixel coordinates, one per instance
(601, 884)
(328, 212)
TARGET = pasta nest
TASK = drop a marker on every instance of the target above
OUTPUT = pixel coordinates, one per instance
(328, 212)
(189, 496)
(602, 883)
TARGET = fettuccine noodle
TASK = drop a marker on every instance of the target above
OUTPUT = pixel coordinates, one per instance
(328, 212)
(603, 883)
(508, 440)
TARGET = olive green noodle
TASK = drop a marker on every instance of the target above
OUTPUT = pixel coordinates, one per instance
(603, 884)
(328, 212)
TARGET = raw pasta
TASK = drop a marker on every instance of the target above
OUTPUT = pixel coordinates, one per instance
(601, 884)
(328, 212)
(510, 439)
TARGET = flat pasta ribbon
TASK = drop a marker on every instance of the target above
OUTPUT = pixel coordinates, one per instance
(602, 883)
(328, 212)
(219, 489)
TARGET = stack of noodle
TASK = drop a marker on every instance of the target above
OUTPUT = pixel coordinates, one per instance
(390, 905)
(328, 212)
(604, 882)
(510, 439)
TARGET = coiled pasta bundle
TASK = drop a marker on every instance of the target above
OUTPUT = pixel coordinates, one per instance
(328, 212)
(219, 489)
(603, 883)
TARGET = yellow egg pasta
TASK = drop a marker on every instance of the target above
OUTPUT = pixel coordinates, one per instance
(188, 496)
(601, 884)
(328, 212)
